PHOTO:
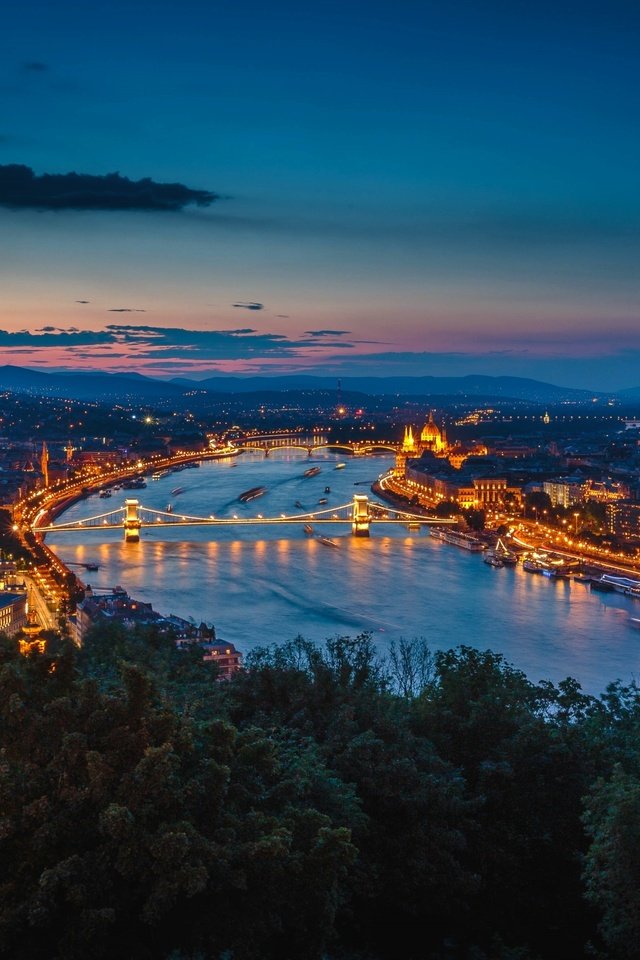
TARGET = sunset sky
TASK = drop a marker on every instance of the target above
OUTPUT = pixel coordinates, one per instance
(370, 188)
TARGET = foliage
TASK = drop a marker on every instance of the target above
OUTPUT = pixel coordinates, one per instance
(323, 804)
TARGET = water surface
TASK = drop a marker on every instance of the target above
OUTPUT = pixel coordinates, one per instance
(264, 584)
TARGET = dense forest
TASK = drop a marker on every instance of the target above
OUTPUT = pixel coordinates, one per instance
(323, 804)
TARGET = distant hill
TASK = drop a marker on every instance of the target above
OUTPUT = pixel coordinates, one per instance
(631, 393)
(135, 386)
(517, 388)
(87, 386)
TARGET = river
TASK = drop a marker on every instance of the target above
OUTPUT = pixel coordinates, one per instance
(267, 584)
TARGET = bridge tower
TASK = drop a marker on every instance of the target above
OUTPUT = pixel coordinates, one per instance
(360, 517)
(132, 522)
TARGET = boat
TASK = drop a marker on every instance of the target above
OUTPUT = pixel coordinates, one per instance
(327, 489)
(492, 560)
(298, 505)
(104, 494)
(169, 508)
(458, 539)
(625, 585)
(91, 566)
(602, 585)
(322, 500)
(532, 566)
(412, 525)
(311, 472)
(177, 491)
(328, 542)
(157, 475)
(509, 557)
(308, 529)
(339, 466)
(251, 494)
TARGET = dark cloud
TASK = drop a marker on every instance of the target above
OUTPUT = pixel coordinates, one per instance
(123, 309)
(35, 66)
(20, 187)
(282, 316)
(327, 333)
(138, 344)
(249, 305)
(83, 301)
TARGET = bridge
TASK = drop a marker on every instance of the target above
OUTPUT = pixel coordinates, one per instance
(360, 512)
(267, 445)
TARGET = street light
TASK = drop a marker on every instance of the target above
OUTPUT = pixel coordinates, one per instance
(575, 517)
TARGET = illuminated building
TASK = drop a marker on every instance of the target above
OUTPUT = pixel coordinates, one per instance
(13, 611)
(565, 491)
(225, 656)
(44, 465)
(30, 639)
(623, 519)
(433, 439)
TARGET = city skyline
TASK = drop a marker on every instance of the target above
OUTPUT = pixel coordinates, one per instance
(362, 191)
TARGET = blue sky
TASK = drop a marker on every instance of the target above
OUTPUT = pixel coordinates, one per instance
(453, 187)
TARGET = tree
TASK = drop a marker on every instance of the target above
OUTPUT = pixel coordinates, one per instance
(612, 864)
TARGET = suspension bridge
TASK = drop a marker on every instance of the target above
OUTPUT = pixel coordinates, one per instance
(268, 445)
(133, 516)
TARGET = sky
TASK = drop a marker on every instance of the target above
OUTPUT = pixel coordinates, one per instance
(345, 188)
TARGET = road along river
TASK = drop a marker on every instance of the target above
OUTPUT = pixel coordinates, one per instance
(267, 584)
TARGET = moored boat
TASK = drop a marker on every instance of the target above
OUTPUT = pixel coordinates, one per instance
(492, 560)
(509, 557)
(459, 539)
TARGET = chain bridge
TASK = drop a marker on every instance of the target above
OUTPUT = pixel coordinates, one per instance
(360, 513)
(267, 445)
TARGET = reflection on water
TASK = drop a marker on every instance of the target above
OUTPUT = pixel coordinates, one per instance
(265, 584)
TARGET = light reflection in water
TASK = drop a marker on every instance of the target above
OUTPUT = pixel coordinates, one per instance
(260, 584)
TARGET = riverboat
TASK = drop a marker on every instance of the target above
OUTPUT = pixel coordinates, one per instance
(509, 557)
(136, 484)
(492, 560)
(322, 500)
(602, 585)
(311, 472)
(327, 541)
(308, 529)
(177, 491)
(104, 494)
(251, 494)
(327, 489)
(157, 475)
(298, 505)
(339, 466)
(91, 566)
(459, 539)
(624, 585)
(532, 566)
(169, 508)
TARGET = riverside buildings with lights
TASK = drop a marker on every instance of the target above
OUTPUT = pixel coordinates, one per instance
(116, 606)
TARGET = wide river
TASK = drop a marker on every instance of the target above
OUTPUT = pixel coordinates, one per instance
(270, 583)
